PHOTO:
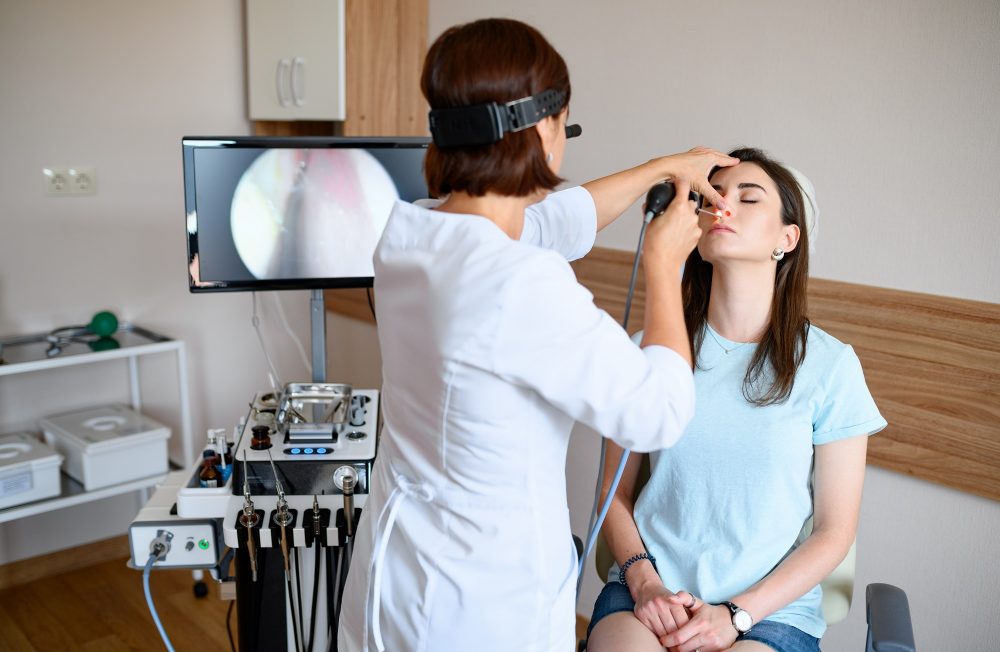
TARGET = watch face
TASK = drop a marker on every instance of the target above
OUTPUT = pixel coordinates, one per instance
(742, 621)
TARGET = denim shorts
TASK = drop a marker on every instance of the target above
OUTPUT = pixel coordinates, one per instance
(616, 597)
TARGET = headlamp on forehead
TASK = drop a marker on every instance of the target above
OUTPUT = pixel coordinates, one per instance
(484, 124)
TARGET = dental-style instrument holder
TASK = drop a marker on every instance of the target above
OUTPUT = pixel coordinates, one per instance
(249, 520)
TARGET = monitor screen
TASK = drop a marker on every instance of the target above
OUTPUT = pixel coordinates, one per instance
(283, 213)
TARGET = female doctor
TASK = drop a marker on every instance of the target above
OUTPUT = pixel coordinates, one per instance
(491, 351)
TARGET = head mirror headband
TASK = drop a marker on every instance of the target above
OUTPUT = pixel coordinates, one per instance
(484, 124)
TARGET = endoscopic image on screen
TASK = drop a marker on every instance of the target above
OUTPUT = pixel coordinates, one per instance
(310, 213)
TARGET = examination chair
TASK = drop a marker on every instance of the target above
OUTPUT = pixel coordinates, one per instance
(888, 611)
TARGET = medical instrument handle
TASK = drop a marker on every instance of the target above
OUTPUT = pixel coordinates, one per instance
(660, 196)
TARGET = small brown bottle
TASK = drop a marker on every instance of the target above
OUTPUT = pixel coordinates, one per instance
(209, 476)
(228, 454)
(261, 438)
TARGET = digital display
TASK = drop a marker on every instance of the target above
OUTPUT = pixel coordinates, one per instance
(292, 213)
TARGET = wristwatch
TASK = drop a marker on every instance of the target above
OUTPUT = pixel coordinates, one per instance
(742, 620)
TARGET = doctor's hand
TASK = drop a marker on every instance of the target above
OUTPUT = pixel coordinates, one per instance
(693, 167)
(671, 236)
(654, 609)
(710, 628)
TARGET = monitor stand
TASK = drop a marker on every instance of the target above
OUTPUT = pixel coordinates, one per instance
(317, 314)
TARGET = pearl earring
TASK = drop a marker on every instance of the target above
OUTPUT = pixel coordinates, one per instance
(777, 254)
(548, 157)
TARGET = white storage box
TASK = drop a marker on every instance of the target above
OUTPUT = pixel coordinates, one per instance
(108, 445)
(29, 470)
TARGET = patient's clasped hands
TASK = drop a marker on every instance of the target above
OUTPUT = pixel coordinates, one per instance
(706, 627)
(681, 621)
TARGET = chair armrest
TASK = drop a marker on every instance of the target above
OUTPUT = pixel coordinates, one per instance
(889, 626)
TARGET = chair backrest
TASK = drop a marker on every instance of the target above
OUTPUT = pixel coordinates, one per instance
(838, 586)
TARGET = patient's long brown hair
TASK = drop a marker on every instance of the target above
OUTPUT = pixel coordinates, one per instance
(771, 373)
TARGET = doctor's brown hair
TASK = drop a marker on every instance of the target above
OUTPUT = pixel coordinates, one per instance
(770, 375)
(491, 60)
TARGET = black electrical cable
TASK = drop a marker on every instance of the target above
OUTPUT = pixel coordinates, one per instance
(229, 625)
(225, 565)
(345, 562)
(635, 273)
(371, 303)
(331, 603)
(315, 598)
(298, 591)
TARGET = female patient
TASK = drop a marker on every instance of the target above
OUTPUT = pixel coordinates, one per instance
(713, 552)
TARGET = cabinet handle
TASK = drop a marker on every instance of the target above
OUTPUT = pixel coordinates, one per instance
(298, 81)
(281, 75)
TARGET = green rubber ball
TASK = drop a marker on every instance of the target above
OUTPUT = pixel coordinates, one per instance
(104, 324)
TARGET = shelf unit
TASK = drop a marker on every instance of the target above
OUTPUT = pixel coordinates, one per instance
(72, 493)
(28, 354)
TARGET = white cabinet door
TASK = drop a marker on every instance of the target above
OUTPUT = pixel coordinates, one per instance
(295, 59)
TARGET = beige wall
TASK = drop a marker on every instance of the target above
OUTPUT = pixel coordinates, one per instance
(890, 108)
(116, 84)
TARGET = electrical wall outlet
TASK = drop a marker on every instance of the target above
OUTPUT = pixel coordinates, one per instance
(69, 180)
(56, 181)
(83, 180)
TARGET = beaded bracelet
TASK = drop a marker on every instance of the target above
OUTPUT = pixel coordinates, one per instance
(632, 560)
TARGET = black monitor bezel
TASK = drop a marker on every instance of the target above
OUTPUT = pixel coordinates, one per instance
(190, 143)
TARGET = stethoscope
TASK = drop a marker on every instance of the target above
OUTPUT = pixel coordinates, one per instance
(97, 335)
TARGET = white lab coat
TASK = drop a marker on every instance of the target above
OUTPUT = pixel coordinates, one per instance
(490, 351)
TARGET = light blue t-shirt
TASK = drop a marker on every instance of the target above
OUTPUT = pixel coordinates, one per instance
(728, 502)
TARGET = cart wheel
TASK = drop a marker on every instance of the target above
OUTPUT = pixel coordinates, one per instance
(200, 589)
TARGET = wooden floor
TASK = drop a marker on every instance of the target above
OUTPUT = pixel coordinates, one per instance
(102, 608)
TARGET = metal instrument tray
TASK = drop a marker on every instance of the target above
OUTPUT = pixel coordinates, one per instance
(313, 403)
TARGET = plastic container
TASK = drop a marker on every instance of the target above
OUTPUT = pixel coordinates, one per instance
(195, 501)
(29, 470)
(108, 445)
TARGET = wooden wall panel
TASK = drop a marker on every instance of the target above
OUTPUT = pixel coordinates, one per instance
(932, 363)
(297, 128)
(372, 67)
(411, 119)
(351, 303)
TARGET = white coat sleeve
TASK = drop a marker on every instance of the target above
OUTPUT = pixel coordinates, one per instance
(554, 340)
(565, 222)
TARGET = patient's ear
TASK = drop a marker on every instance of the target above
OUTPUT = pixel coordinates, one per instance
(789, 237)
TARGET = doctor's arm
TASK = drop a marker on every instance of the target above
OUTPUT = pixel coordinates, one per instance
(669, 240)
(614, 193)
(838, 480)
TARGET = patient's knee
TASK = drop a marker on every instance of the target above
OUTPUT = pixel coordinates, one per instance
(622, 631)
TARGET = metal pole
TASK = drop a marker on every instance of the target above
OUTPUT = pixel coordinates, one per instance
(317, 311)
